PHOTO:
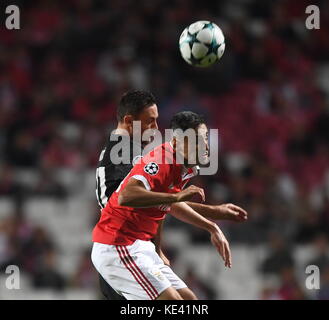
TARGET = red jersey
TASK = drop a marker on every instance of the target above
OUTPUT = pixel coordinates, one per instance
(159, 172)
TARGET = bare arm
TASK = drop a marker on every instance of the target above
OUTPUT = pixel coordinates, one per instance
(185, 213)
(157, 242)
(135, 195)
(226, 211)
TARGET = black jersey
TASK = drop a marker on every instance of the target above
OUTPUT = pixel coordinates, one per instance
(108, 178)
(110, 175)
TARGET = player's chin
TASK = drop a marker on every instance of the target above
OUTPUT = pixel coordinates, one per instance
(203, 160)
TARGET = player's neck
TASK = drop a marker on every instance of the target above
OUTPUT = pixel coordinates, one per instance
(185, 165)
(121, 130)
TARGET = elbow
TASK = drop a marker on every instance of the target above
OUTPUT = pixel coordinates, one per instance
(123, 200)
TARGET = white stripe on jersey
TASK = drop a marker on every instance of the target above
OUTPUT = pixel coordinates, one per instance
(143, 179)
(100, 175)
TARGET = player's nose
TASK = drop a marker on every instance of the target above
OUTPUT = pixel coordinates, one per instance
(155, 125)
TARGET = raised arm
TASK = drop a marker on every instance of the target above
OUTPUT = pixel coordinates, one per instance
(185, 213)
(135, 195)
(227, 211)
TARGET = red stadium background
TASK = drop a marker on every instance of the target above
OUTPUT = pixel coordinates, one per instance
(61, 75)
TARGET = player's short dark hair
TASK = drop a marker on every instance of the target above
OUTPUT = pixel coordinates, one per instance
(133, 102)
(186, 120)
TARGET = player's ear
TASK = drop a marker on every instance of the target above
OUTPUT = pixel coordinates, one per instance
(128, 119)
(128, 122)
(174, 142)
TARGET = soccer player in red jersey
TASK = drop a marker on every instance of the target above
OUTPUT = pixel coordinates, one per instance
(122, 252)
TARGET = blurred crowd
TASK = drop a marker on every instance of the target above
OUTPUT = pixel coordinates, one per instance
(61, 76)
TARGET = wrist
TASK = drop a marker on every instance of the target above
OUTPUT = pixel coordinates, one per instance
(221, 212)
(174, 197)
(212, 227)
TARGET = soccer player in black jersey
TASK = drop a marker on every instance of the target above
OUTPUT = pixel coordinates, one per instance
(134, 106)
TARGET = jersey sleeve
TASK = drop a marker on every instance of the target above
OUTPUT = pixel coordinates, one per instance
(155, 177)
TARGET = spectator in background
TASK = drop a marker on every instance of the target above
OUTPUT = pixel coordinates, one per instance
(290, 288)
(23, 151)
(46, 274)
(279, 256)
(35, 248)
(199, 287)
(321, 249)
(9, 253)
(269, 293)
(9, 186)
(309, 226)
(15, 232)
(323, 293)
(85, 277)
(30, 248)
(270, 288)
(49, 186)
(325, 213)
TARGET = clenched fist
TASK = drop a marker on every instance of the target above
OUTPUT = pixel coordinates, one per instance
(188, 193)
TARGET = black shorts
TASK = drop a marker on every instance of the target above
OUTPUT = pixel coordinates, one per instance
(108, 292)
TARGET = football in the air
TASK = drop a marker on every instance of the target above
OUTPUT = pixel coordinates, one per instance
(202, 43)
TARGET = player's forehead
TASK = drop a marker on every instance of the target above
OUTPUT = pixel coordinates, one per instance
(202, 130)
(150, 112)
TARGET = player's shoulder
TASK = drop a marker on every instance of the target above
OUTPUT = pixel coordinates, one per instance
(119, 140)
(162, 155)
(116, 145)
(158, 160)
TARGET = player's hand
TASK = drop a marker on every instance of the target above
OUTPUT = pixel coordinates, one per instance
(189, 193)
(221, 244)
(232, 212)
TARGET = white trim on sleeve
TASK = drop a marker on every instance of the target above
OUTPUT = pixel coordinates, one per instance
(144, 180)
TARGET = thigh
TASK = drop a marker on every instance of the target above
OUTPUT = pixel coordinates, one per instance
(187, 294)
(132, 271)
(170, 294)
(175, 281)
(178, 284)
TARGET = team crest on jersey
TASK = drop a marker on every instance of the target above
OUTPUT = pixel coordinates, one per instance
(157, 273)
(151, 168)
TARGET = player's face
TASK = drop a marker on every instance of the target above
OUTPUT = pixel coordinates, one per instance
(202, 148)
(148, 118)
(198, 151)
